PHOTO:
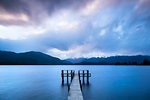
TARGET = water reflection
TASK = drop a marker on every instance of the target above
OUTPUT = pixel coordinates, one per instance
(44, 83)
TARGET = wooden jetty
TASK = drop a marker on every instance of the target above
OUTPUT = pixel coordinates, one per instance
(75, 90)
(83, 74)
(67, 74)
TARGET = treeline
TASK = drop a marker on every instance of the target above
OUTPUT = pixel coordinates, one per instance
(38, 58)
(145, 62)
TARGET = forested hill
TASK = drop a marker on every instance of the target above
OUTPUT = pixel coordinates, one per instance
(113, 60)
(38, 58)
(28, 58)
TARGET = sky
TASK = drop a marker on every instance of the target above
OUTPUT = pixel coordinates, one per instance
(76, 28)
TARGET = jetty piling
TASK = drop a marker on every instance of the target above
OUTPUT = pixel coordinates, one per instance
(83, 76)
(87, 76)
(84, 73)
(79, 74)
(62, 75)
(75, 87)
(67, 74)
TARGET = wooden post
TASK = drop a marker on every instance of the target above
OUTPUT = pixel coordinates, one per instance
(80, 85)
(67, 76)
(71, 75)
(83, 76)
(68, 87)
(87, 76)
(79, 74)
(62, 75)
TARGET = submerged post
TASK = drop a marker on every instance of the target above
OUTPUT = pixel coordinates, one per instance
(71, 75)
(62, 75)
(87, 76)
(83, 76)
(79, 74)
(68, 87)
(67, 76)
(80, 85)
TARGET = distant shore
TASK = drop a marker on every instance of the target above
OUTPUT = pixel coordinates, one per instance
(39, 58)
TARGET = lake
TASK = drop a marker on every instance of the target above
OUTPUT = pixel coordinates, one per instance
(44, 82)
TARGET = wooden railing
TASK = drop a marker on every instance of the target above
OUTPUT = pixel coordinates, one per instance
(67, 74)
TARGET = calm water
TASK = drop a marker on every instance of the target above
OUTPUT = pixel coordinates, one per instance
(44, 83)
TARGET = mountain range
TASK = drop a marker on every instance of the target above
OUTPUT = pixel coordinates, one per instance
(38, 58)
(28, 58)
(113, 60)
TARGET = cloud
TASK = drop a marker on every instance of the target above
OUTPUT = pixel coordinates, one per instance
(20, 33)
(6, 18)
(14, 6)
(142, 6)
(118, 29)
(84, 50)
(76, 28)
(66, 22)
(102, 32)
(35, 11)
(64, 25)
(91, 7)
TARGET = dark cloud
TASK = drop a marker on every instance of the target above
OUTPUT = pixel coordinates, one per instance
(37, 10)
(52, 5)
(14, 6)
(143, 6)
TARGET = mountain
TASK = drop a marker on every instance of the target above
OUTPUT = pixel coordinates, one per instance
(29, 58)
(113, 60)
(38, 58)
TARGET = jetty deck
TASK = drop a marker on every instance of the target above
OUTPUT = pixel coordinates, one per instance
(75, 90)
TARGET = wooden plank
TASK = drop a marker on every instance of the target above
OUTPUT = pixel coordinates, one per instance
(75, 91)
